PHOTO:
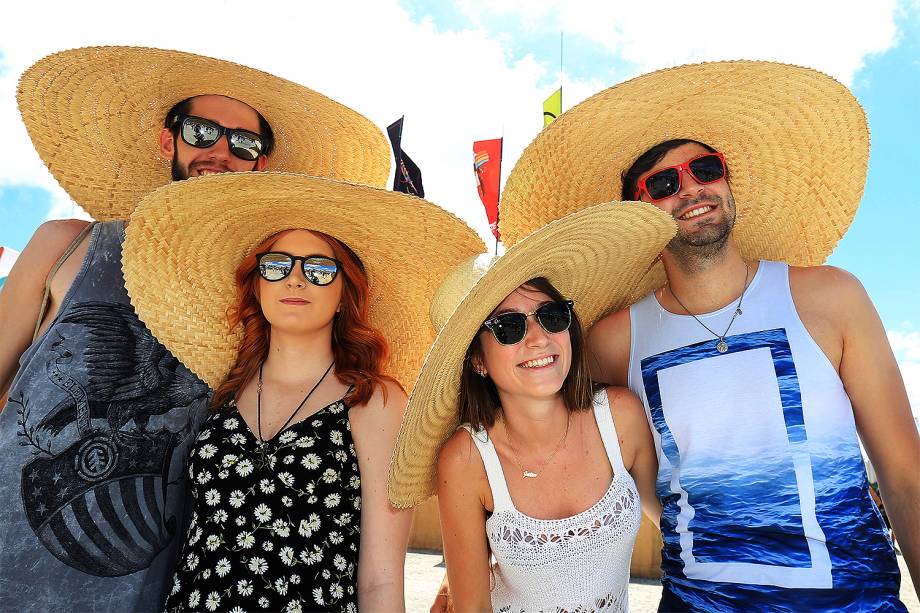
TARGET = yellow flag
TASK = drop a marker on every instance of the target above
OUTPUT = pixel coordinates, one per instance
(552, 107)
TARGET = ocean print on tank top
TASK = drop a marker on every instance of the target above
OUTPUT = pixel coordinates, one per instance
(764, 494)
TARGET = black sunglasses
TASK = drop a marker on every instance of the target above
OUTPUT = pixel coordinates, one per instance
(706, 168)
(203, 133)
(317, 269)
(511, 328)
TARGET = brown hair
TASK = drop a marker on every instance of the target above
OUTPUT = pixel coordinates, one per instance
(479, 401)
(651, 157)
(360, 350)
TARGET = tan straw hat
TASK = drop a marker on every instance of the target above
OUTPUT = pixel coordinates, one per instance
(795, 141)
(186, 239)
(94, 115)
(594, 257)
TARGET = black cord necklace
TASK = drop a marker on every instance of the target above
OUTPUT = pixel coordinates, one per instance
(299, 406)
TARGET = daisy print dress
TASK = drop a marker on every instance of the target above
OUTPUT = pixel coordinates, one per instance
(275, 525)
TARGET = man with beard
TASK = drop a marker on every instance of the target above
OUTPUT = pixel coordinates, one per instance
(760, 369)
(95, 434)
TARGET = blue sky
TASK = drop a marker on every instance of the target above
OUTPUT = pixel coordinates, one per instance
(474, 69)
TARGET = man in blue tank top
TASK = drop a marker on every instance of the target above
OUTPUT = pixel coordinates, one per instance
(95, 433)
(760, 377)
(760, 369)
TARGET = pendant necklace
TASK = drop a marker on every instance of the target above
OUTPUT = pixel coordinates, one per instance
(533, 474)
(262, 441)
(722, 345)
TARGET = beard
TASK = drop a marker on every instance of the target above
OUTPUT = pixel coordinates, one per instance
(704, 242)
(178, 173)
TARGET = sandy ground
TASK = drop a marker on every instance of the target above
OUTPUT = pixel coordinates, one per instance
(424, 573)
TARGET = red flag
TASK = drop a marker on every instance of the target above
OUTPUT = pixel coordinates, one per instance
(487, 165)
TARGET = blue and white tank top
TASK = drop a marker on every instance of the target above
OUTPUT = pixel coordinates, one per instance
(765, 500)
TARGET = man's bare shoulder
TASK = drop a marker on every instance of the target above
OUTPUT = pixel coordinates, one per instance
(613, 324)
(823, 284)
(608, 348)
(47, 245)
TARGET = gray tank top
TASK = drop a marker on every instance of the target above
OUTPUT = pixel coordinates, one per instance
(93, 446)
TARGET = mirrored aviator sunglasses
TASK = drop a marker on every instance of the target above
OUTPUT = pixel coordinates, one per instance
(319, 270)
(203, 133)
(511, 328)
(706, 168)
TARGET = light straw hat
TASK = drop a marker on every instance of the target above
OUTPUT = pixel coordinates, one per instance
(795, 141)
(594, 257)
(94, 115)
(186, 239)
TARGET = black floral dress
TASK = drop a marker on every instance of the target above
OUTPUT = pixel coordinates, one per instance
(275, 525)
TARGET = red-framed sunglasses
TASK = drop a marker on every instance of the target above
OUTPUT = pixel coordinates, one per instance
(705, 168)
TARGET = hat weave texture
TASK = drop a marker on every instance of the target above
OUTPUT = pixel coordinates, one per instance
(186, 239)
(795, 140)
(94, 115)
(594, 257)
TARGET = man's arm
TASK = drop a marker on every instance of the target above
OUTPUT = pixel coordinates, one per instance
(608, 349)
(872, 380)
(21, 298)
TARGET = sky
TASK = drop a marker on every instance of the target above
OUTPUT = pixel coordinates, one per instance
(477, 69)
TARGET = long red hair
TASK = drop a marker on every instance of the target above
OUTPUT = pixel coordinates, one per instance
(360, 350)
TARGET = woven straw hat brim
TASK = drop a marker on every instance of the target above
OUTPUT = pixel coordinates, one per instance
(94, 115)
(795, 140)
(594, 257)
(185, 240)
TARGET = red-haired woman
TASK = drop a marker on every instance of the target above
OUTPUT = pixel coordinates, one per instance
(288, 473)
(289, 469)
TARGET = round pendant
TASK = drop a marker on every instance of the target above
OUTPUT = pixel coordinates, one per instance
(722, 346)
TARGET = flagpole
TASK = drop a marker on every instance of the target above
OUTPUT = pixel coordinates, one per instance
(560, 71)
(501, 147)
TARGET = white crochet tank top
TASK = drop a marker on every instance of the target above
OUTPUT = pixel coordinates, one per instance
(578, 563)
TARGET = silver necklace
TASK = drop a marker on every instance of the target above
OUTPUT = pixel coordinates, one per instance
(262, 441)
(533, 474)
(721, 346)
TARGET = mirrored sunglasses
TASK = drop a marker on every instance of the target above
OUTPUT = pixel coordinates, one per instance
(203, 133)
(317, 269)
(511, 328)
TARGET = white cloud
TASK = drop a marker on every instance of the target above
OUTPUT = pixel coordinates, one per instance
(453, 86)
(906, 346)
(831, 36)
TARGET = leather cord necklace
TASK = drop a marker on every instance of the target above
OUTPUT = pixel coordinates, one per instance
(721, 346)
(299, 406)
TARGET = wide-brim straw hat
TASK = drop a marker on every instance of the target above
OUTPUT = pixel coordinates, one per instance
(94, 115)
(594, 257)
(795, 140)
(186, 239)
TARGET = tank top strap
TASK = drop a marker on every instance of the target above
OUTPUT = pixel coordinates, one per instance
(501, 497)
(608, 430)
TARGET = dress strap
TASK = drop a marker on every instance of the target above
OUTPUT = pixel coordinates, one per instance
(608, 430)
(501, 497)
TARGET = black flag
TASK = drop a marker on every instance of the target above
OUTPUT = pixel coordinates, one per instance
(408, 179)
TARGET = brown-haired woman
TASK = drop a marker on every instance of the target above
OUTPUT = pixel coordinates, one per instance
(544, 476)
(291, 327)
(535, 468)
